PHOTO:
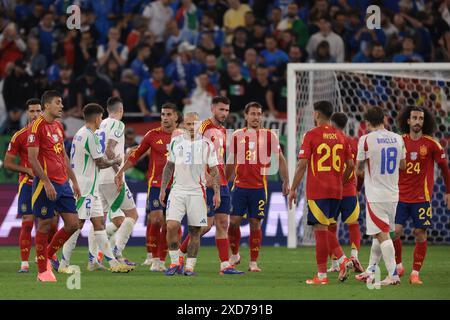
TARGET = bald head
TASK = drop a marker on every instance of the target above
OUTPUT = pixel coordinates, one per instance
(190, 118)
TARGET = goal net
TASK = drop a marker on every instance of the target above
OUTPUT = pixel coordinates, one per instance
(352, 88)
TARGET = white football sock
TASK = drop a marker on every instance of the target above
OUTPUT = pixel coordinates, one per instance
(102, 241)
(335, 263)
(224, 265)
(69, 246)
(190, 263)
(321, 275)
(24, 264)
(111, 230)
(92, 245)
(388, 251)
(354, 253)
(375, 255)
(174, 257)
(149, 255)
(123, 234)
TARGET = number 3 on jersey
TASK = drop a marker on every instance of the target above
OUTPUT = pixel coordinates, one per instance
(336, 159)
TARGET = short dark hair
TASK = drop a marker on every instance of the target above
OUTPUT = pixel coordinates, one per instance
(92, 109)
(32, 101)
(111, 104)
(324, 107)
(252, 104)
(170, 105)
(220, 99)
(339, 119)
(48, 96)
(429, 122)
(374, 115)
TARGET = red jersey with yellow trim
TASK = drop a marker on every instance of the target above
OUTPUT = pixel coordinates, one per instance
(158, 141)
(18, 147)
(218, 136)
(417, 181)
(326, 149)
(349, 189)
(49, 138)
(252, 151)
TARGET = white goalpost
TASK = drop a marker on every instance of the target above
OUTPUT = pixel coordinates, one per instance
(351, 88)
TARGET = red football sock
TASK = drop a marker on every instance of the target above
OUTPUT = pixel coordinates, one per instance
(25, 239)
(153, 239)
(332, 228)
(398, 250)
(334, 245)
(234, 237)
(420, 252)
(321, 250)
(147, 237)
(162, 244)
(41, 250)
(184, 245)
(255, 244)
(355, 236)
(51, 233)
(58, 241)
(223, 246)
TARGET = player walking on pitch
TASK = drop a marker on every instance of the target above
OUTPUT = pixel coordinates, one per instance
(324, 152)
(250, 160)
(18, 147)
(381, 154)
(51, 189)
(348, 207)
(416, 183)
(156, 142)
(86, 159)
(214, 130)
(189, 155)
(112, 140)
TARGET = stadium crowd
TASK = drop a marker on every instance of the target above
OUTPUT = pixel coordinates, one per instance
(185, 52)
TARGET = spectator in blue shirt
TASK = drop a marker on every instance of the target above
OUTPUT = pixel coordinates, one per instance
(148, 88)
(208, 24)
(47, 34)
(138, 65)
(273, 56)
(104, 11)
(407, 54)
(178, 36)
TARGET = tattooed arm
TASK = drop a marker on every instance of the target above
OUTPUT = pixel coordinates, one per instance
(214, 173)
(166, 176)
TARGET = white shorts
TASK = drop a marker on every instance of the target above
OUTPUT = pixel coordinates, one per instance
(114, 200)
(179, 204)
(89, 207)
(380, 217)
(118, 213)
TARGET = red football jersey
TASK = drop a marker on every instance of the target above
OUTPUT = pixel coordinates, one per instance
(417, 181)
(49, 138)
(252, 150)
(326, 149)
(218, 136)
(157, 140)
(350, 187)
(18, 146)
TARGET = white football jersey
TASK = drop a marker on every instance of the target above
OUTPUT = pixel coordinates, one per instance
(85, 149)
(383, 151)
(191, 158)
(111, 129)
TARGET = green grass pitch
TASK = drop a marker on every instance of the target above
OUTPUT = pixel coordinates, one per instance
(283, 277)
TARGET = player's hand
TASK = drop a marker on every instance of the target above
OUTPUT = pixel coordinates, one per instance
(29, 172)
(118, 160)
(50, 191)
(447, 200)
(209, 180)
(162, 197)
(292, 198)
(216, 200)
(76, 190)
(285, 188)
(118, 180)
